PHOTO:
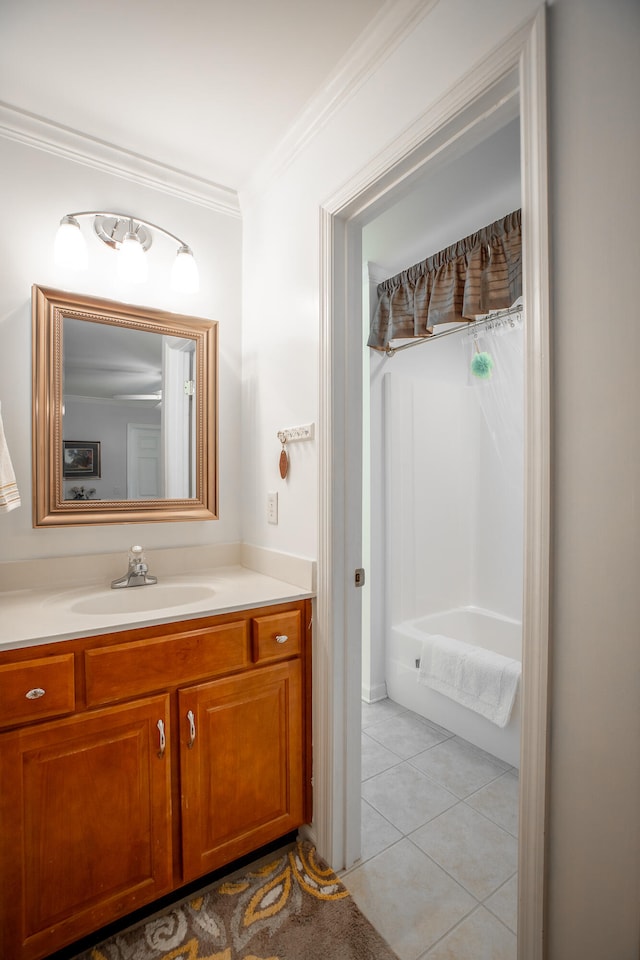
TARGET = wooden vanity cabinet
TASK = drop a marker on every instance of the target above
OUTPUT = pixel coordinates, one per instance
(201, 758)
(241, 764)
(86, 824)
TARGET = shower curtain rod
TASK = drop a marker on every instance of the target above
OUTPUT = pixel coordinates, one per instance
(472, 325)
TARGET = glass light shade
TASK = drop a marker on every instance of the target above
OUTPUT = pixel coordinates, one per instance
(132, 262)
(70, 249)
(184, 272)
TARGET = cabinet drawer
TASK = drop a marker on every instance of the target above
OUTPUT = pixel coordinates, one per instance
(141, 666)
(276, 636)
(36, 689)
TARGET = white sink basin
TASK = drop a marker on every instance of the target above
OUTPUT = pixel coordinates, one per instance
(138, 599)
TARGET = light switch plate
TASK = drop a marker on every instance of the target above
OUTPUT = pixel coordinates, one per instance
(272, 507)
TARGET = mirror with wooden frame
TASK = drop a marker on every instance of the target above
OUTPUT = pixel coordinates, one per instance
(124, 413)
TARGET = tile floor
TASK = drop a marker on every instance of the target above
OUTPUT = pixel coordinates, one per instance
(438, 874)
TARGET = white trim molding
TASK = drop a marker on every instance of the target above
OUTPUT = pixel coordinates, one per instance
(513, 75)
(53, 138)
(537, 499)
(386, 31)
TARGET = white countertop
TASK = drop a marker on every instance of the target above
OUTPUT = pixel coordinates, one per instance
(34, 616)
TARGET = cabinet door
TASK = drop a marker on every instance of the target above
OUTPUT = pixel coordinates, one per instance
(85, 831)
(241, 763)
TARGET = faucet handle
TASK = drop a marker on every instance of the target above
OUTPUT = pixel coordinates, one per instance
(136, 554)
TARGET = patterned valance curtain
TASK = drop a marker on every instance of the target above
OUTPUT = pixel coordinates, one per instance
(481, 273)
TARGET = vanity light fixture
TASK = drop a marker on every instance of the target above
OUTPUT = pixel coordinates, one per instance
(70, 249)
(132, 260)
(131, 238)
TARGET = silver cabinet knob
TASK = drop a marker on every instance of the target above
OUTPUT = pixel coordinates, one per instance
(281, 638)
(35, 694)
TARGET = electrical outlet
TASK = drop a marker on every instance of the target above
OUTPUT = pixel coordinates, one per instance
(272, 507)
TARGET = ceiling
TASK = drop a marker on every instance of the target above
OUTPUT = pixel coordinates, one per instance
(208, 87)
(211, 88)
(465, 194)
(110, 362)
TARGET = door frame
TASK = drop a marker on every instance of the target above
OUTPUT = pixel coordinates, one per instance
(337, 639)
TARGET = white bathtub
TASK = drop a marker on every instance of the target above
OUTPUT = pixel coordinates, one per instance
(472, 625)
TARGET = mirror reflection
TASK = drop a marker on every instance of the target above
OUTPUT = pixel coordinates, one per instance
(124, 412)
(131, 392)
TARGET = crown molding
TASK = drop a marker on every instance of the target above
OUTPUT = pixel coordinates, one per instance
(34, 131)
(377, 42)
(373, 46)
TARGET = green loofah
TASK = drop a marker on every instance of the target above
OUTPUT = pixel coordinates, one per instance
(482, 365)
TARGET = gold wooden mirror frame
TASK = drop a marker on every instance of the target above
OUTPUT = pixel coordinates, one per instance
(50, 508)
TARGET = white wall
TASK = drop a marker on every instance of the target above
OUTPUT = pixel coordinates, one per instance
(594, 876)
(107, 423)
(36, 189)
(594, 879)
(280, 372)
(281, 254)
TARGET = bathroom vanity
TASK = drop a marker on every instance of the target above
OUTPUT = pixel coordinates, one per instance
(136, 759)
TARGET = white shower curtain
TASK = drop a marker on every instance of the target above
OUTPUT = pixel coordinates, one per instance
(501, 395)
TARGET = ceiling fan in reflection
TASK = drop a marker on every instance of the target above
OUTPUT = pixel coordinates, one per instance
(139, 396)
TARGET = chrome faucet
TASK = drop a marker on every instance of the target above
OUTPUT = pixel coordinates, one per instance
(138, 573)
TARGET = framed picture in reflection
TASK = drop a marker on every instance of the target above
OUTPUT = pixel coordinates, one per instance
(81, 459)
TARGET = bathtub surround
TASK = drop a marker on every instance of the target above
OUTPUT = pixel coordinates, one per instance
(454, 520)
(453, 463)
(478, 630)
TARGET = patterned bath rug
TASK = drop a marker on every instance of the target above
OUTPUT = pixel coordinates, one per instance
(292, 908)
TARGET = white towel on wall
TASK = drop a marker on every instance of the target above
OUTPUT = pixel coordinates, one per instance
(479, 679)
(9, 495)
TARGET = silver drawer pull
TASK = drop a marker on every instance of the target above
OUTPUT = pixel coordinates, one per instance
(192, 729)
(35, 694)
(163, 739)
(281, 638)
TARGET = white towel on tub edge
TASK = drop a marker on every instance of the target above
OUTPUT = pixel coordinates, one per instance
(478, 679)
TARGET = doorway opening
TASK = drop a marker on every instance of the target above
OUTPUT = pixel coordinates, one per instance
(442, 501)
(515, 74)
(443, 549)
